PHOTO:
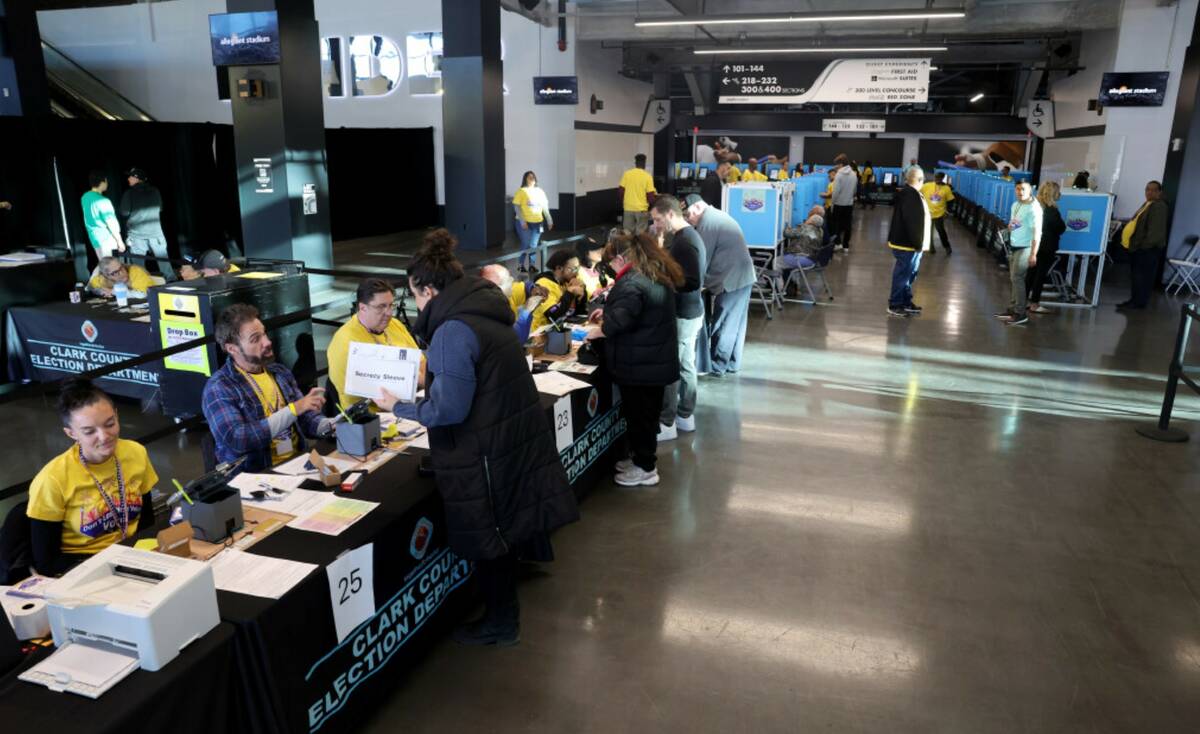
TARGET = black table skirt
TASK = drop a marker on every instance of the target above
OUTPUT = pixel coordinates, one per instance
(56, 340)
(195, 692)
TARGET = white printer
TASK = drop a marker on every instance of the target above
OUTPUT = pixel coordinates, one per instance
(130, 603)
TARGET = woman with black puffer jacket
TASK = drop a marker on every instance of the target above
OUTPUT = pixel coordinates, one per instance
(638, 323)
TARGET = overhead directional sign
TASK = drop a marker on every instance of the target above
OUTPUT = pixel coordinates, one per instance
(843, 80)
(853, 126)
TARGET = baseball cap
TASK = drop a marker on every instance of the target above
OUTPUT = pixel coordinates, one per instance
(138, 173)
(213, 259)
(692, 199)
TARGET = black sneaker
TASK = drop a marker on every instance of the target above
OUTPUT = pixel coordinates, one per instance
(913, 309)
(897, 311)
(488, 633)
(1018, 321)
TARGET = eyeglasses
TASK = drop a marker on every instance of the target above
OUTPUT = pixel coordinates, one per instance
(113, 273)
(382, 307)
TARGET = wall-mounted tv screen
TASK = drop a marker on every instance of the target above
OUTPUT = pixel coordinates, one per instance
(244, 39)
(1134, 89)
(555, 90)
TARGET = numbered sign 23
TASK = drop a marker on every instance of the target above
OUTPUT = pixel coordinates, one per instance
(352, 588)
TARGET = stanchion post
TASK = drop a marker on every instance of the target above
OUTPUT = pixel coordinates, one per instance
(1163, 431)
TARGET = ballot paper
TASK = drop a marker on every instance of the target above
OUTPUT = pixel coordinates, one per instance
(371, 368)
(248, 573)
(333, 516)
(557, 384)
(301, 466)
(420, 442)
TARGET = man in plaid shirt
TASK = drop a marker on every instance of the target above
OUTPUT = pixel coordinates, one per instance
(252, 404)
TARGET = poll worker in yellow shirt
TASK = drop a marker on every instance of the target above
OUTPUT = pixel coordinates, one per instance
(938, 194)
(210, 263)
(637, 194)
(253, 405)
(111, 271)
(752, 172)
(532, 209)
(95, 493)
(374, 322)
(566, 294)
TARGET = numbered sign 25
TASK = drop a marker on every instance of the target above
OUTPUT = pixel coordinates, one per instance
(352, 588)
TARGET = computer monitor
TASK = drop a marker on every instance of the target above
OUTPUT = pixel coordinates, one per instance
(889, 179)
(685, 173)
(701, 173)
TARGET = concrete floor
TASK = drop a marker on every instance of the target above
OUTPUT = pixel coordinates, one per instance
(931, 525)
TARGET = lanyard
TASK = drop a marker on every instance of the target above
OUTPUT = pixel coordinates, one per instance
(275, 404)
(121, 517)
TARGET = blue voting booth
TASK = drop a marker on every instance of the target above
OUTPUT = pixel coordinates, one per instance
(1087, 215)
(762, 209)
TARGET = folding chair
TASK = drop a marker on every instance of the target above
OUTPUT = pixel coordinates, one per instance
(1185, 268)
(766, 281)
(797, 276)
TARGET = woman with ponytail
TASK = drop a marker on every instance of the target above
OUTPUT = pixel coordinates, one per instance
(491, 443)
(640, 345)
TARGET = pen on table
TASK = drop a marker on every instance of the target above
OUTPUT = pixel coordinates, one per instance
(180, 493)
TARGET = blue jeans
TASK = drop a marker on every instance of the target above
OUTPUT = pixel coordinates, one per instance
(529, 235)
(903, 274)
(728, 330)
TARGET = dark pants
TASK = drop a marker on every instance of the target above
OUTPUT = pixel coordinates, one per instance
(1035, 277)
(498, 582)
(640, 406)
(843, 220)
(728, 330)
(1143, 264)
(940, 225)
(904, 272)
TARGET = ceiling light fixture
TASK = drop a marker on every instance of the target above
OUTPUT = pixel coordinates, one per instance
(821, 50)
(977, 97)
(850, 17)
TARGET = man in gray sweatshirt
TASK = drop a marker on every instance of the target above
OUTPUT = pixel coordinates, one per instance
(728, 278)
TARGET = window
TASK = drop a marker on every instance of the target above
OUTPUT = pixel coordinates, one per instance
(376, 64)
(425, 62)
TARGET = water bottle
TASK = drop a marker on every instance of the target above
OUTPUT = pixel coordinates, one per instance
(121, 291)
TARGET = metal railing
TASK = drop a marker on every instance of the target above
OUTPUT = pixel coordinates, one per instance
(1176, 373)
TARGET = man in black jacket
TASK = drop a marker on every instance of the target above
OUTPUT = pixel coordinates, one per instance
(141, 210)
(492, 445)
(908, 237)
(679, 400)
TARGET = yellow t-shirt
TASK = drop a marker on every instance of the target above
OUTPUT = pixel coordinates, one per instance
(517, 297)
(64, 492)
(865, 177)
(828, 195)
(938, 196)
(139, 279)
(755, 176)
(264, 386)
(1006, 178)
(637, 183)
(395, 335)
(531, 214)
(555, 294)
(1130, 226)
(734, 176)
(591, 281)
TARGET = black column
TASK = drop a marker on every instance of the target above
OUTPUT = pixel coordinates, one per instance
(22, 58)
(279, 139)
(473, 120)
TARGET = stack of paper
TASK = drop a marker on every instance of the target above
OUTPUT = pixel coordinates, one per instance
(247, 573)
(333, 516)
(557, 384)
